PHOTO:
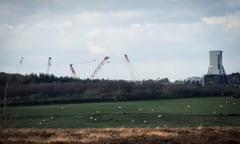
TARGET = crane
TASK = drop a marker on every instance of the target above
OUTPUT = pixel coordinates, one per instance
(99, 67)
(49, 64)
(20, 63)
(74, 74)
(130, 67)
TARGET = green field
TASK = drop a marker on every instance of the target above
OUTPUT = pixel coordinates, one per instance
(214, 111)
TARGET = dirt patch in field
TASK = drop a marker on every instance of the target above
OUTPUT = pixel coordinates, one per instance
(213, 135)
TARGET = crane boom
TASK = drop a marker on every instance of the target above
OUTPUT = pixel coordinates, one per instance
(99, 67)
(126, 57)
(130, 67)
(74, 75)
(20, 63)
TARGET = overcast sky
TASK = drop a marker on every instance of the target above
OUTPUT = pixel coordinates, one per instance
(163, 38)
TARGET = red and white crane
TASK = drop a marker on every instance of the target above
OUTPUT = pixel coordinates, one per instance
(74, 74)
(99, 67)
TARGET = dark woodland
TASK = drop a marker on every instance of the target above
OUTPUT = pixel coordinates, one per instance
(37, 89)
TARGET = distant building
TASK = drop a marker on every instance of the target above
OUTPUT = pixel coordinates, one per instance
(163, 80)
(216, 73)
(179, 82)
(234, 79)
(194, 80)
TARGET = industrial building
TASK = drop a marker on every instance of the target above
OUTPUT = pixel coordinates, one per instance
(215, 63)
(216, 73)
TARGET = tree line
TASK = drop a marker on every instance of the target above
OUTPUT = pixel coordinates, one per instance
(48, 89)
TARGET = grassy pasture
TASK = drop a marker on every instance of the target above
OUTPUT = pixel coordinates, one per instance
(214, 111)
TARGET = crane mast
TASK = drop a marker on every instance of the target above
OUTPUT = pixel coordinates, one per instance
(49, 64)
(99, 67)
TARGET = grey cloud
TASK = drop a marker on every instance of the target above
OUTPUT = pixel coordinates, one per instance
(173, 10)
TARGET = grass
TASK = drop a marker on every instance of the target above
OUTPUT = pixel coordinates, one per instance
(214, 111)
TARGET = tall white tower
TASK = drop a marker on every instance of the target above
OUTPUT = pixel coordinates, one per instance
(215, 63)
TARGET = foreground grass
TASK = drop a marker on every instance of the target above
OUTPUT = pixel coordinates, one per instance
(191, 112)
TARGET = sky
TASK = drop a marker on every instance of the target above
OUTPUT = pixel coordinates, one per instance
(162, 38)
